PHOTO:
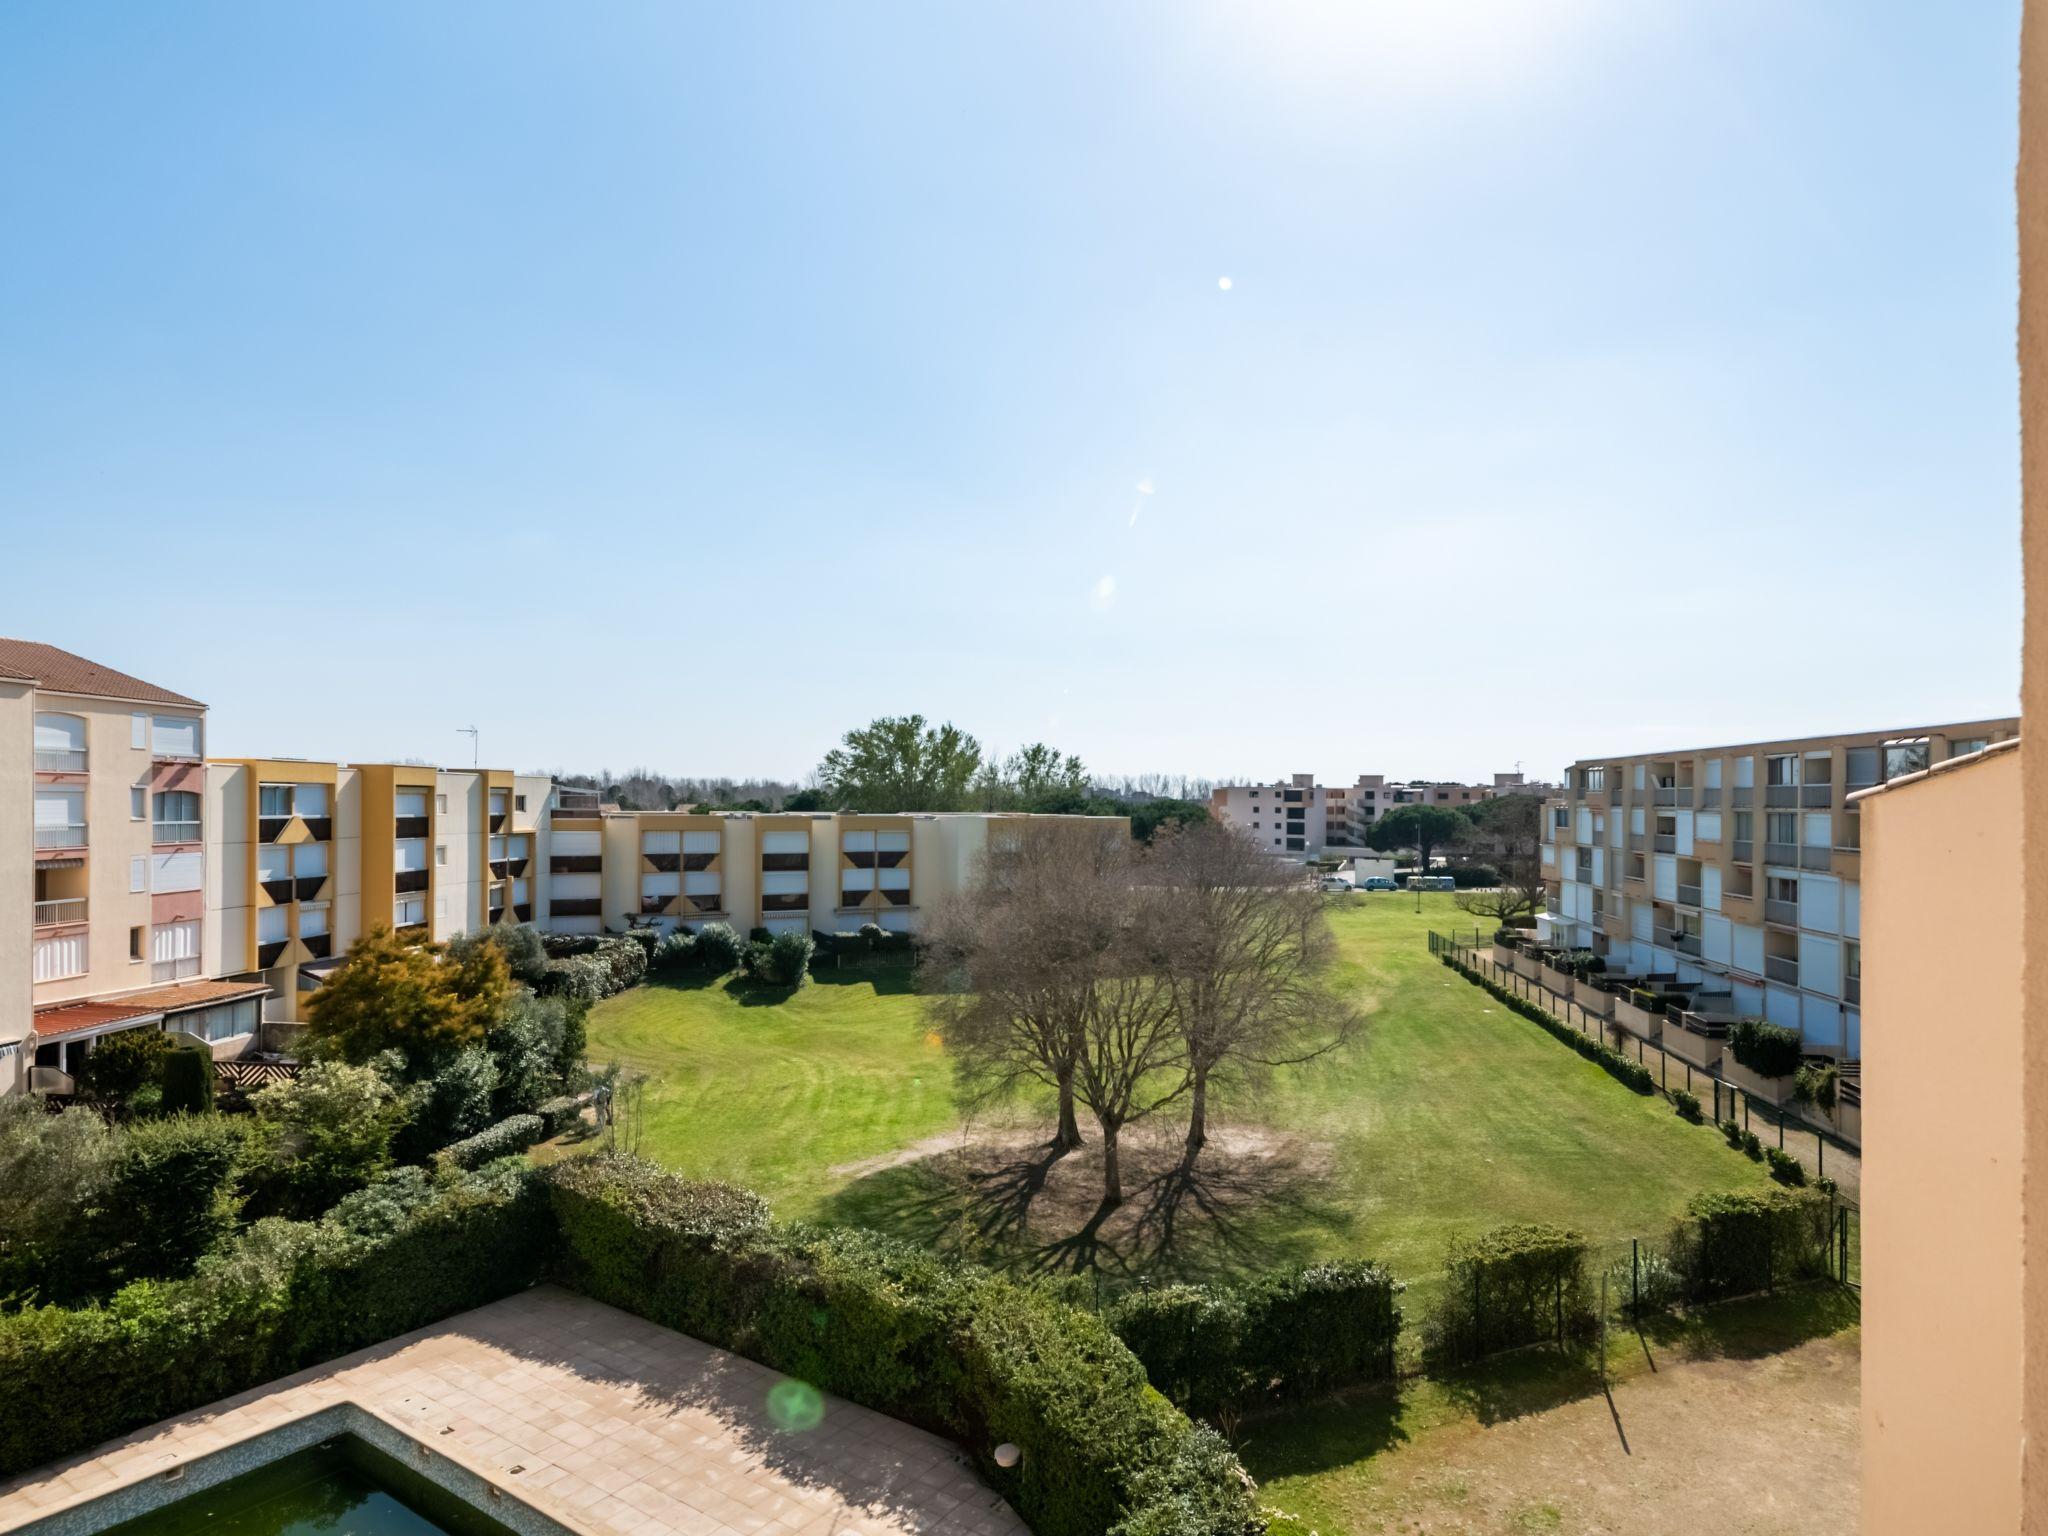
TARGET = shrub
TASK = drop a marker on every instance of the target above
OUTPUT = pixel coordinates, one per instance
(1752, 1147)
(1732, 1131)
(1737, 1244)
(1649, 1002)
(784, 961)
(1518, 1284)
(1644, 1282)
(1815, 1084)
(454, 1103)
(1785, 1168)
(1191, 1341)
(893, 1327)
(1768, 1050)
(507, 1138)
(326, 1132)
(1471, 876)
(169, 1195)
(119, 1065)
(718, 948)
(1325, 1326)
(187, 1083)
(754, 960)
(575, 979)
(677, 952)
(1688, 1105)
(558, 1114)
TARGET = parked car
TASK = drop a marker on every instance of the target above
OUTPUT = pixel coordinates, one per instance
(1378, 883)
(1338, 883)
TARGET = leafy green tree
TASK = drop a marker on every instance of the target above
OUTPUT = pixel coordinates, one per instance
(806, 800)
(327, 1132)
(1424, 828)
(900, 763)
(527, 1051)
(526, 959)
(388, 995)
(169, 1196)
(51, 1168)
(120, 1065)
(188, 1083)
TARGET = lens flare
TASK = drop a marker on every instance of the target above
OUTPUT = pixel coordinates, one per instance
(795, 1406)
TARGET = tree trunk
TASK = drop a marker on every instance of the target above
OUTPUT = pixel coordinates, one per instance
(1112, 1170)
(1069, 1136)
(1198, 1118)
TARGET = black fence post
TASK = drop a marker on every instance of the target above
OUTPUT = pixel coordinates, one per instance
(1820, 1153)
(1781, 1130)
(1635, 1260)
(1745, 1109)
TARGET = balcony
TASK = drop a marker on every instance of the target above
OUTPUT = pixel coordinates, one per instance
(577, 906)
(61, 837)
(1710, 797)
(1744, 850)
(1822, 859)
(1665, 794)
(410, 826)
(1784, 913)
(60, 762)
(55, 914)
(576, 864)
(1816, 797)
(1852, 989)
(1635, 842)
(1665, 842)
(1688, 895)
(174, 832)
(1782, 968)
(410, 881)
(1781, 853)
(1781, 795)
(1686, 943)
(1741, 795)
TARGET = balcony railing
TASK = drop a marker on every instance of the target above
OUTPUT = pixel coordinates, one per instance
(68, 909)
(1710, 797)
(61, 837)
(1666, 842)
(1744, 850)
(60, 762)
(1816, 796)
(1742, 795)
(1635, 842)
(1686, 943)
(1665, 795)
(1782, 968)
(1781, 853)
(1784, 913)
(1688, 895)
(1822, 859)
(1852, 989)
(1781, 794)
(174, 832)
(174, 970)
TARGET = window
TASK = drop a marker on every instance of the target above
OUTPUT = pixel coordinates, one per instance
(272, 926)
(1967, 745)
(138, 802)
(1905, 756)
(1745, 826)
(138, 732)
(519, 802)
(440, 805)
(440, 853)
(1782, 769)
(60, 744)
(1781, 888)
(274, 801)
(1781, 827)
(138, 943)
(409, 911)
(1596, 779)
(177, 816)
(177, 735)
(138, 875)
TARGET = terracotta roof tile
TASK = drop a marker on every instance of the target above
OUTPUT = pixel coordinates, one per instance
(67, 1018)
(62, 672)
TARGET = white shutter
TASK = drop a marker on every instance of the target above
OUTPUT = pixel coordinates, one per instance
(60, 733)
(576, 887)
(660, 885)
(856, 880)
(1820, 829)
(411, 802)
(177, 871)
(174, 941)
(309, 861)
(1710, 887)
(270, 925)
(858, 842)
(310, 800)
(701, 842)
(177, 735)
(138, 732)
(59, 956)
(138, 874)
(273, 862)
(785, 882)
(895, 879)
(703, 882)
(57, 808)
(786, 842)
(410, 854)
(661, 842)
(312, 922)
(892, 842)
(577, 845)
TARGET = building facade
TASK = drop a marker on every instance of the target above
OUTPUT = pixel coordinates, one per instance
(1299, 818)
(1737, 867)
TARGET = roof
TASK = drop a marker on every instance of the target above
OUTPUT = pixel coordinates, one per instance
(1946, 765)
(137, 1007)
(64, 672)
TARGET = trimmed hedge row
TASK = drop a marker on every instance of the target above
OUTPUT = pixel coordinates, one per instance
(558, 1114)
(507, 1138)
(1213, 1348)
(280, 1296)
(1524, 1283)
(1768, 1050)
(1754, 1240)
(886, 1324)
(1632, 1074)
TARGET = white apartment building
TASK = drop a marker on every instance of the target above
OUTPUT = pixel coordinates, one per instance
(1299, 818)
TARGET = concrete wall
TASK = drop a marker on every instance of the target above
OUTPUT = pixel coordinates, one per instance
(1942, 1198)
(2033, 357)
(17, 839)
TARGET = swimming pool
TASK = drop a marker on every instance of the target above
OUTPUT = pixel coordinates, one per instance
(341, 1487)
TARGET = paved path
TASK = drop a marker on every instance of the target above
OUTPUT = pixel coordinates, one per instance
(601, 1421)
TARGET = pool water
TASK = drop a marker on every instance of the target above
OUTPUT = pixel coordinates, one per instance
(342, 1487)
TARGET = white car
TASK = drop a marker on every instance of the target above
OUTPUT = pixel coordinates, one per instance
(1338, 883)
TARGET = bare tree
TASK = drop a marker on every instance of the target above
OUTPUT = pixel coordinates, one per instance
(1012, 969)
(1132, 1058)
(1247, 950)
(1507, 832)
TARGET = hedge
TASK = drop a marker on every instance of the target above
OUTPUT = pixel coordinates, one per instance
(1768, 1050)
(1632, 1074)
(1212, 1348)
(1739, 1243)
(280, 1296)
(558, 1114)
(1519, 1284)
(891, 1326)
(507, 1138)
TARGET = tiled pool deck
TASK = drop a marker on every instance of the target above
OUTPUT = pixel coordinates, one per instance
(595, 1418)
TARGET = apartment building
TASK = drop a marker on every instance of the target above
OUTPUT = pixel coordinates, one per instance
(1300, 818)
(1738, 868)
(104, 927)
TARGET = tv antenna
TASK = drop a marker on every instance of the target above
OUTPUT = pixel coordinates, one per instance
(470, 732)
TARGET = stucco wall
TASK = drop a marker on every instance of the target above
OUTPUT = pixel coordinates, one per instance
(2033, 356)
(1942, 1197)
(17, 893)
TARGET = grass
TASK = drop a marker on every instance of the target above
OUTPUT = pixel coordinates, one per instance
(1451, 1114)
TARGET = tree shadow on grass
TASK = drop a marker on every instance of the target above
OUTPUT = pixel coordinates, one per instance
(889, 978)
(1027, 1208)
(1314, 1437)
(1512, 1386)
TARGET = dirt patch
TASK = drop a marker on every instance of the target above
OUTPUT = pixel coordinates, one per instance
(1748, 1447)
(1005, 1190)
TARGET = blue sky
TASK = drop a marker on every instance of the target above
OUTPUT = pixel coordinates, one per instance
(681, 385)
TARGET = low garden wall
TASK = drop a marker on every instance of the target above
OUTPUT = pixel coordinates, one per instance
(1774, 1091)
(1702, 1051)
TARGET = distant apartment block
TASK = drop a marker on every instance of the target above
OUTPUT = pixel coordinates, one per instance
(1300, 818)
(157, 889)
(1736, 867)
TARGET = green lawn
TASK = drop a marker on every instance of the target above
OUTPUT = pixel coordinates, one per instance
(1449, 1114)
